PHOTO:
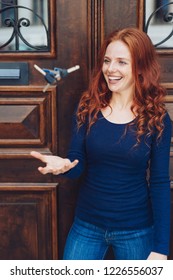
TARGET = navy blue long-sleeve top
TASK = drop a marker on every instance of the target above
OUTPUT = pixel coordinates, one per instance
(126, 186)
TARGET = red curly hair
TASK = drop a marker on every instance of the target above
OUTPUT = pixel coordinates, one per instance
(148, 99)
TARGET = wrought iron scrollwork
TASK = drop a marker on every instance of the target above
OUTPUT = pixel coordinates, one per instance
(167, 17)
(17, 23)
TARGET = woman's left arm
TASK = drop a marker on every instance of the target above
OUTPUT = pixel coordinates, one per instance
(159, 184)
(156, 256)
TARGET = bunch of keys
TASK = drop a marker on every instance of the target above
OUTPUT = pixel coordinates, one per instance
(53, 76)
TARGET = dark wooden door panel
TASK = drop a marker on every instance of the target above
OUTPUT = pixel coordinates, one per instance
(28, 226)
(27, 119)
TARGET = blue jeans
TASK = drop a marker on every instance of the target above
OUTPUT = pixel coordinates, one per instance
(89, 242)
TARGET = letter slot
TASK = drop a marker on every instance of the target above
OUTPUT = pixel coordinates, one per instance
(9, 74)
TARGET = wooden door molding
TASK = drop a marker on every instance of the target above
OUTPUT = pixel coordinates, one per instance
(95, 29)
(27, 120)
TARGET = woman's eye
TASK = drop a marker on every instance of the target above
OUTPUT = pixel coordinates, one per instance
(106, 61)
(122, 62)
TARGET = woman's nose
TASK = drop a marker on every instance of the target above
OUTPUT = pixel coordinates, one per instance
(112, 67)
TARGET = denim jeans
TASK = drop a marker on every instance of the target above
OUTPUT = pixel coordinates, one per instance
(89, 242)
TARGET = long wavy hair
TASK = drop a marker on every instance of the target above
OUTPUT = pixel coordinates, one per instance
(148, 99)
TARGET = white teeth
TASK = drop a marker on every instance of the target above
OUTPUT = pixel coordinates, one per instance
(114, 78)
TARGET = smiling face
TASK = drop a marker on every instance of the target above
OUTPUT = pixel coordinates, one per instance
(117, 68)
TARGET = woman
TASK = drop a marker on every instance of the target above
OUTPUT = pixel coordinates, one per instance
(121, 139)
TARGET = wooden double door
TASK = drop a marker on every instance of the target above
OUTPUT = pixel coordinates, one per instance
(36, 211)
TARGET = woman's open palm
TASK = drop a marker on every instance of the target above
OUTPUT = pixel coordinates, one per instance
(54, 164)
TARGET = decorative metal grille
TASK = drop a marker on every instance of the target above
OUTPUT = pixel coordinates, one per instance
(18, 30)
(162, 19)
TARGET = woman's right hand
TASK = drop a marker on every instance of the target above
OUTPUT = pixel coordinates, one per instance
(54, 164)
